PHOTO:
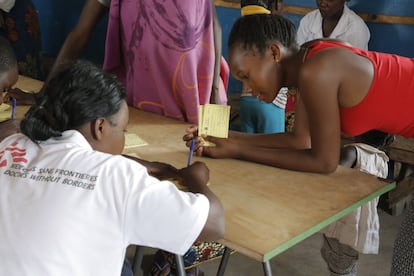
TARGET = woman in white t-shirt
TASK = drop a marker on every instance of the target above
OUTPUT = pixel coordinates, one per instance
(333, 19)
(70, 204)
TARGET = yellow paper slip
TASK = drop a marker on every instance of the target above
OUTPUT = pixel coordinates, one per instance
(132, 140)
(5, 112)
(214, 120)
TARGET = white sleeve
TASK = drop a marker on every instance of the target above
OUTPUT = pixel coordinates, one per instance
(161, 216)
(281, 98)
(358, 35)
(105, 3)
(6, 5)
(301, 35)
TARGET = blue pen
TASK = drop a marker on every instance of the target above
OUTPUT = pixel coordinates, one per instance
(190, 154)
(13, 115)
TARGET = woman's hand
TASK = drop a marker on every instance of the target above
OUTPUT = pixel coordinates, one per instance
(190, 134)
(195, 176)
(22, 98)
(222, 148)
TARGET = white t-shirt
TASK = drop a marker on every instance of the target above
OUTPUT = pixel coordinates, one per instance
(66, 209)
(350, 28)
(106, 3)
(7, 5)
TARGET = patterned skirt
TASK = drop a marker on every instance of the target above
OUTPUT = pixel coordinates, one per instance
(403, 255)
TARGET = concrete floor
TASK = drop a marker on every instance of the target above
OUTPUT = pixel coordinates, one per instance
(304, 258)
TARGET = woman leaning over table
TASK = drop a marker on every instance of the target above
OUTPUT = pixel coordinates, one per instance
(361, 91)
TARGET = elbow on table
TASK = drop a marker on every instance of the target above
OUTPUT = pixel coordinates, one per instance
(327, 167)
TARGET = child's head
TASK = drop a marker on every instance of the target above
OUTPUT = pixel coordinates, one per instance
(331, 8)
(81, 97)
(8, 66)
(257, 44)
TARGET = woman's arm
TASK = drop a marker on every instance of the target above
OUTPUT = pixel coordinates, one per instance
(217, 56)
(318, 123)
(195, 177)
(77, 39)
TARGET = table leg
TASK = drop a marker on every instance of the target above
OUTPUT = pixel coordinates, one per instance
(224, 261)
(267, 269)
(139, 253)
(179, 263)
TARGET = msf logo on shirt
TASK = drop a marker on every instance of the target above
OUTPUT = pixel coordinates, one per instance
(17, 154)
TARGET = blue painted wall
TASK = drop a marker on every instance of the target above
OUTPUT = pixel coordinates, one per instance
(58, 17)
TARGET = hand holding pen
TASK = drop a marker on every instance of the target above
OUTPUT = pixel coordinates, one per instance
(13, 114)
(190, 154)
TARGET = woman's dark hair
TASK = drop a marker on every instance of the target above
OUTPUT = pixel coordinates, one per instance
(258, 30)
(78, 93)
(7, 56)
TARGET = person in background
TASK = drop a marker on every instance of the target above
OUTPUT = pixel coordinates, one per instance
(66, 163)
(333, 19)
(8, 77)
(257, 116)
(403, 253)
(276, 7)
(357, 232)
(169, 63)
(19, 24)
(164, 53)
(332, 100)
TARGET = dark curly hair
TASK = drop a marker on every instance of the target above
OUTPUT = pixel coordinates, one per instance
(77, 94)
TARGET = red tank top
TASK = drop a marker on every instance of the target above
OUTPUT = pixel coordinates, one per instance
(389, 103)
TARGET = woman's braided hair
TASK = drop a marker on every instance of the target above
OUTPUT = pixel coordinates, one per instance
(257, 31)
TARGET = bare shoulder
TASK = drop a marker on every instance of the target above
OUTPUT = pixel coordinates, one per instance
(328, 64)
(336, 60)
(340, 70)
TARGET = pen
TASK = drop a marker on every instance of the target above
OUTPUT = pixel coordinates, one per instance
(13, 115)
(190, 154)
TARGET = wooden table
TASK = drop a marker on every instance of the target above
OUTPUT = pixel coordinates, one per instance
(268, 210)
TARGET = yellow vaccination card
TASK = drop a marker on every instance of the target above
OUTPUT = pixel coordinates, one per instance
(214, 120)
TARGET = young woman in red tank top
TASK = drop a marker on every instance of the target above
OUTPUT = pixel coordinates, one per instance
(341, 89)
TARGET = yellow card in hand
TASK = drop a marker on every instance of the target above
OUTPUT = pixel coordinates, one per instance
(214, 121)
(5, 112)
